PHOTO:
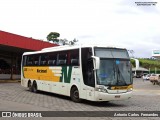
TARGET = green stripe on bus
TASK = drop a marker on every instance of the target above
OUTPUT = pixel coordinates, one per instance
(66, 74)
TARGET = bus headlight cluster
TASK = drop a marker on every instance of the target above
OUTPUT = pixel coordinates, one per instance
(129, 89)
(101, 89)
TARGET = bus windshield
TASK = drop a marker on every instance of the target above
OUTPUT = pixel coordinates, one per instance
(115, 68)
(114, 72)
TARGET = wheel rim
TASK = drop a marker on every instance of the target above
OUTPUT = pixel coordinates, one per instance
(76, 94)
(34, 88)
(30, 86)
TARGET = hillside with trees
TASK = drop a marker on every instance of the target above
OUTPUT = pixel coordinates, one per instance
(151, 64)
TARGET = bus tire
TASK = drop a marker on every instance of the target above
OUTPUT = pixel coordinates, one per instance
(75, 95)
(34, 87)
(154, 83)
(30, 86)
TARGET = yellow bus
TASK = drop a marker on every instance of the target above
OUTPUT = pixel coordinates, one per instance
(93, 73)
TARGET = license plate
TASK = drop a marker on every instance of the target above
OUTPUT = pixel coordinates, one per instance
(117, 96)
(119, 88)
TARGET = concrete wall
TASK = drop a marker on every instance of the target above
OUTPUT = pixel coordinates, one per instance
(8, 76)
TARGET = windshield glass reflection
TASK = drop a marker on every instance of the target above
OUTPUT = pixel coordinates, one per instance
(114, 72)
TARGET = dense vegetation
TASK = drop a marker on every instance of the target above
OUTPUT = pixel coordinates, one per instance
(151, 64)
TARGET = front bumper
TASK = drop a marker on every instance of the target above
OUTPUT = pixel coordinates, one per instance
(100, 96)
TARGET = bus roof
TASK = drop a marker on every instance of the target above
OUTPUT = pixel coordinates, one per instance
(68, 47)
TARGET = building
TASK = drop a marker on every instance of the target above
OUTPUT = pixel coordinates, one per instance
(156, 54)
(12, 47)
(138, 72)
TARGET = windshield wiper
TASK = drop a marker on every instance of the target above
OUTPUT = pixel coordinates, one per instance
(118, 77)
(114, 71)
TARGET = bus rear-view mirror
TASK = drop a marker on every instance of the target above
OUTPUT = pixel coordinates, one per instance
(96, 61)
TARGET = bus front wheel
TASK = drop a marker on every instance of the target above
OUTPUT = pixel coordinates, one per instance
(75, 94)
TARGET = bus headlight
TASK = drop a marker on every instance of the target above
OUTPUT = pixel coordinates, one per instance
(101, 89)
(129, 89)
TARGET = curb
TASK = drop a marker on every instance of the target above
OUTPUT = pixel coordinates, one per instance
(10, 81)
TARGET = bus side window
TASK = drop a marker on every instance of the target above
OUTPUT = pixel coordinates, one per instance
(74, 61)
(24, 60)
(51, 62)
(43, 60)
(52, 57)
(62, 59)
(36, 60)
(74, 57)
(29, 61)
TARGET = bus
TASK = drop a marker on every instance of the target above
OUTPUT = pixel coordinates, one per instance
(92, 73)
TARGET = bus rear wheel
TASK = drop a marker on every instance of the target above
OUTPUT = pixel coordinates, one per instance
(30, 86)
(34, 87)
(75, 95)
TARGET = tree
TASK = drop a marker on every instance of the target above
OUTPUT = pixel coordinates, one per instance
(63, 41)
(131, 52)
(53, 36)
(72, 42)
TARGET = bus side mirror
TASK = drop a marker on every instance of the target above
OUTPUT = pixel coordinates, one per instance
(96, 61)
(136, 62)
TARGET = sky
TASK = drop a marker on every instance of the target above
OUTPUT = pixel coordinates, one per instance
(119, 23)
